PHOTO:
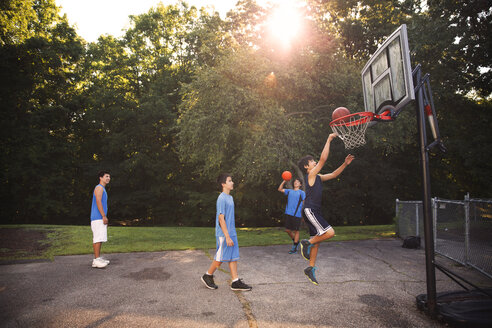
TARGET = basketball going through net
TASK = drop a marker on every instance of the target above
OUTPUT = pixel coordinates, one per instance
(352, 128)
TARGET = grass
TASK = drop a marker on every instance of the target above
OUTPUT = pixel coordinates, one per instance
(74, 240)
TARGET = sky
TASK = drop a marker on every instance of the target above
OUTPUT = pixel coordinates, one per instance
(93, 18)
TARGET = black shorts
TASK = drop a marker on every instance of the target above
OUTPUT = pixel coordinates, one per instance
(316, 223)
(292, 223)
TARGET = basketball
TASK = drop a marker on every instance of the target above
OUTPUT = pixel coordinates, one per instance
(339, 112)
(286, 175)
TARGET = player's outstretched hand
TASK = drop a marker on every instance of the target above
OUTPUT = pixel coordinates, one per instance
(349, 159)
(332, 136)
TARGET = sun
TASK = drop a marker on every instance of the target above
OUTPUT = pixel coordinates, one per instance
(285, 22)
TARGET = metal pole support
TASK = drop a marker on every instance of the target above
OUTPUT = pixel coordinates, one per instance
(467, 228)
(426, 201)
(397, 216)
(434, 218)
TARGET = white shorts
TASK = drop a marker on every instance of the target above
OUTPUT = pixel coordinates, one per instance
(99, 231)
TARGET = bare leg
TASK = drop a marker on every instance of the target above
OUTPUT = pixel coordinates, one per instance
(315, 241)
(290, 233)
(214, 266)
(97, 249)
(296, 236)
(233, 269)
(312, 254)
(318, 239)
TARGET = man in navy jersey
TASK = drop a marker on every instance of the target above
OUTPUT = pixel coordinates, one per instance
(99, 220)
(319, 229)
(293, 211)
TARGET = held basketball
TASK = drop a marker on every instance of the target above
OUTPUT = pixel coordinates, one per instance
(339, 112)
(286, 175)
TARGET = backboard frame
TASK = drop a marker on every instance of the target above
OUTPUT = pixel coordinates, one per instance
(387, 76)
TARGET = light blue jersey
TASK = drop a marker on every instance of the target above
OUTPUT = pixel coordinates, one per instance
(293, 200)
(95, 214)
(225, 205)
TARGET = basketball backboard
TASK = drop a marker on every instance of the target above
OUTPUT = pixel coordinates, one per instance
(387, 76)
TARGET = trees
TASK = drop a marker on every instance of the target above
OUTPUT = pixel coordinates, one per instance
(257, 113)
(39, 54)
(449, 39)
(463, 45)
(132, 92)
(109, 105)
(184, 95)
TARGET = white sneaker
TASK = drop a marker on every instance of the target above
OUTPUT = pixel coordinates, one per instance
(104, 259)
(98, 263)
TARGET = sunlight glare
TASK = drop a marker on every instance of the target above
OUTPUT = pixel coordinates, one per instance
(285, 22)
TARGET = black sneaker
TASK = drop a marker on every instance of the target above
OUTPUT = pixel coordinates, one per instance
(208, 280)
(309, 272)
(240, 285)
(306, 249)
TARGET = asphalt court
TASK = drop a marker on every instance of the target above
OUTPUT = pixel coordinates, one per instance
(369, 283)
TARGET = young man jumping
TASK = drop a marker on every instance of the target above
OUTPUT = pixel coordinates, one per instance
(319, 229)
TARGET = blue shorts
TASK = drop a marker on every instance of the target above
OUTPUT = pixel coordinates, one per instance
(226, 253)
(316, 223)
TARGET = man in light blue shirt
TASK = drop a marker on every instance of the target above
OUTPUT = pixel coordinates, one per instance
(226, 237)
(293, 211)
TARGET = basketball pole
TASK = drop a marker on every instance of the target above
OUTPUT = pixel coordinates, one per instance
(428, 227)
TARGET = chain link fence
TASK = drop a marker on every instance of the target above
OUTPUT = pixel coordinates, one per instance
(462, 229)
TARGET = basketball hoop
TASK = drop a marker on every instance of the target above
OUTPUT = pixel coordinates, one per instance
(352, 128)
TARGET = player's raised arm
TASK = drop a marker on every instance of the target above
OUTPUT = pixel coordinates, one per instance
(339, 170)
(281, 187)
(322, 159)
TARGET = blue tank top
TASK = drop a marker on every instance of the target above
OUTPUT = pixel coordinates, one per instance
(313, 193)
(95, 214)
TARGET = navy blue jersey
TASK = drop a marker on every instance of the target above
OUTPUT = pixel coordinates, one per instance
(313, 193)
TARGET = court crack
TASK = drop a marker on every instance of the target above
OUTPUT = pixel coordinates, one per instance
(389, 265)
(245, 304)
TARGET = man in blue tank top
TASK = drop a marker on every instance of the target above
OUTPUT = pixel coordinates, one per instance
(319, 229)
(99, 220)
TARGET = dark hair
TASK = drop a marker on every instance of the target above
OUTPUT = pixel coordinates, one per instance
(303, 162)
(222, 178)
(298, 180)
(100, 174)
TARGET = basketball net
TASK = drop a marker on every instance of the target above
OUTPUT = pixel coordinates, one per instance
(352, 128)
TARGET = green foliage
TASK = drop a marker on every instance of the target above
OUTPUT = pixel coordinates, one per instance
(464, 43)
(229, 123)
(38, 77)
(450, 39)
(363, 25)
(184, 95)
(466, 165)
